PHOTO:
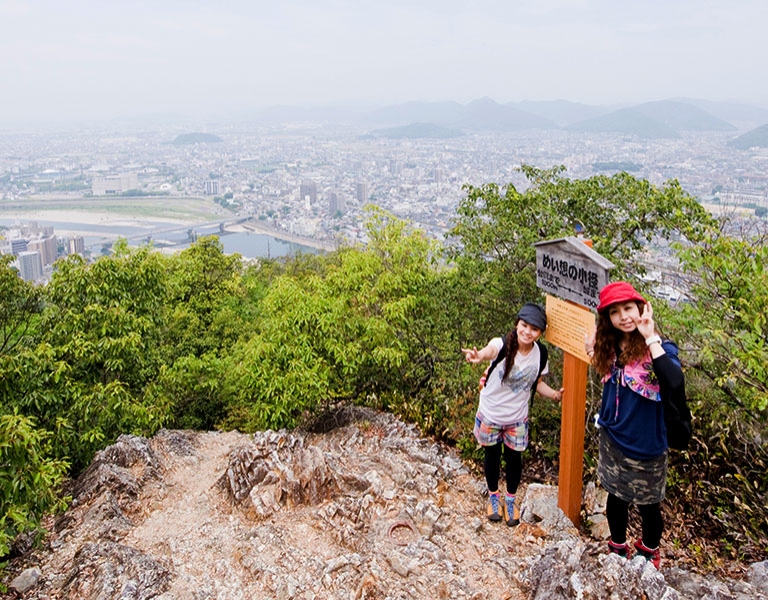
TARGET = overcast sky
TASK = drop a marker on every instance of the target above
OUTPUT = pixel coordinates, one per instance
(77, 58)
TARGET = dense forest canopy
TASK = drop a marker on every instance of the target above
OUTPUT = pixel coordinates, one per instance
(138, 340)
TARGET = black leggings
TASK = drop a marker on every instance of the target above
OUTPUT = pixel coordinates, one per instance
(492, 466)
(617, 512)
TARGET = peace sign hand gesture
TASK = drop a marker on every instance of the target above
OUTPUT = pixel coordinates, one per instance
(644, 323)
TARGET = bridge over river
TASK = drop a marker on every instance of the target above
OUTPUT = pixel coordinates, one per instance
(248, 225)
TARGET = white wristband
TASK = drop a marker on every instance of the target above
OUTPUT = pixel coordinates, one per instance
(653, 340)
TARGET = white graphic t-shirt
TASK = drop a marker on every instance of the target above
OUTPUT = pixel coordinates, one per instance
(506, 402)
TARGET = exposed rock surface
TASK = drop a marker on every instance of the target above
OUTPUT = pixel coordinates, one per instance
(362, 509)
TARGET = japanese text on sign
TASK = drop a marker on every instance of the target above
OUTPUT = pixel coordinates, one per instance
(556, 274)
(567, 326)
(568, 268)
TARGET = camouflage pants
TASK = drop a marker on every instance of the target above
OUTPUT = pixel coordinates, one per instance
(635, 481)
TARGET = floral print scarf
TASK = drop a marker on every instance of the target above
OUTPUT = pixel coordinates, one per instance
(637, 376)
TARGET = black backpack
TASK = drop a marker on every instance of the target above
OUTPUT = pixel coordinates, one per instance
(543, 357)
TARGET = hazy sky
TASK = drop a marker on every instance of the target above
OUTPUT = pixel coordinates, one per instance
(106, 58)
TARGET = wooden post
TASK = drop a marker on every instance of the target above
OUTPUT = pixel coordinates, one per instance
(572, 274)
(572, 436)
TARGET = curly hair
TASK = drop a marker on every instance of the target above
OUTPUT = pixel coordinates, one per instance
(607, 339)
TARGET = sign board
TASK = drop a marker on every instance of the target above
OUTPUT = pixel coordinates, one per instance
(570, 269)
(567, 325)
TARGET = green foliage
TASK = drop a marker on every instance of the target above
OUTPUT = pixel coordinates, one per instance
(137, 340)
(204, 291)
(190, 392)
(495, 231)
(105, 319)
(724, 341)
(726, 324)
(335, 329)
(98, 347)
(21, 302)
(29, 480)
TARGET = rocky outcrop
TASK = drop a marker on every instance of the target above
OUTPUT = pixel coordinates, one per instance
(361, 506)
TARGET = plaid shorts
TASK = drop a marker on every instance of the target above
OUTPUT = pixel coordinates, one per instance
(514, 435)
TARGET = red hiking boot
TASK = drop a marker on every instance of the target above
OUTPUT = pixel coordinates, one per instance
(652, 556)
(620, 549)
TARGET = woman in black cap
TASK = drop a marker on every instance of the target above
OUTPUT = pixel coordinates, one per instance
(514, 375)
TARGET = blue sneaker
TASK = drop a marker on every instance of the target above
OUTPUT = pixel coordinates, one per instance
(493, 511)
(511, 515)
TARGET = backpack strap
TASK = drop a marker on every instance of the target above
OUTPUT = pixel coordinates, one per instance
(543, 357)
(499, 357)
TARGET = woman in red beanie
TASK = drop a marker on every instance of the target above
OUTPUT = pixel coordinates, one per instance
(518, 362)
(635, 364)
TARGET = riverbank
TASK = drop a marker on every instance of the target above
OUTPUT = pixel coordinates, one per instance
(133, 221)
(253, 226)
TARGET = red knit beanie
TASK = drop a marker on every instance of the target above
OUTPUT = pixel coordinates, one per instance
(618, 291)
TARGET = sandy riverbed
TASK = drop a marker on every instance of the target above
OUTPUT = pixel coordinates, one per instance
(88, 217)
(81, 219)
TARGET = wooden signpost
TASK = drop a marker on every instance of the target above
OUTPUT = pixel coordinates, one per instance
(570, 269)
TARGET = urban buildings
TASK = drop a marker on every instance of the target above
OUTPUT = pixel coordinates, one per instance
(308, 192)
(30, 266)
(314, 179)
(361, 192)
(37, 248)
(336, 203)
(211, 187)
(114, 185)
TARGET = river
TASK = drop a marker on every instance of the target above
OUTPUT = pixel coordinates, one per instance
(97, 235)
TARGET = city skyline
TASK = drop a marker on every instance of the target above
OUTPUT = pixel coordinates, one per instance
(88, 61)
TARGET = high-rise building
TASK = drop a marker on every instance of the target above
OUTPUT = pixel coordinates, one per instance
(30, 266)
(336, 203)
(48, 247)
(308, 191)
(18, 245)
(77, 245)
(361, 192)
(211, 187)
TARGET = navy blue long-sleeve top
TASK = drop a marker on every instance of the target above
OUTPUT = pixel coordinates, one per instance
(636, 423)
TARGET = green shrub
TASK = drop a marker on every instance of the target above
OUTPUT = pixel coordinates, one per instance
(29, 479)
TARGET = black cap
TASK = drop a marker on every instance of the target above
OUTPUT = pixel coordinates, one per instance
(533, 314)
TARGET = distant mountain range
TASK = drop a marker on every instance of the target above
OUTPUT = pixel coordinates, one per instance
(661, 119)
(478, 115)
(195, 138)
(755, 138)
(562, 112)
(732, 112)
(417, 130)
(627, 121)
(681, 116)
